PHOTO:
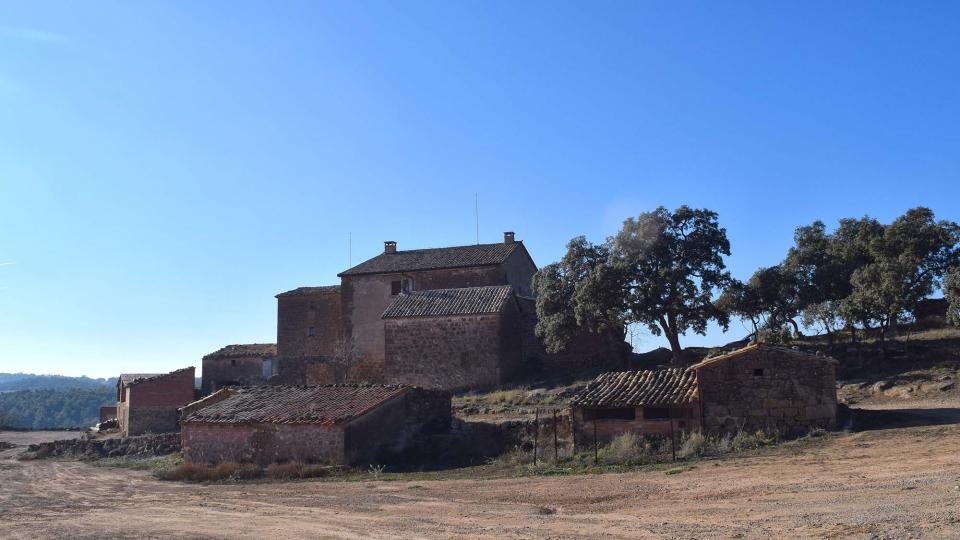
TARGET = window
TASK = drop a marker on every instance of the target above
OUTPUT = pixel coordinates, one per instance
(656, 413)
(267, 368)
(395, 287)
(758, 372)
(233, 362)
(620, 413)
(311, 331)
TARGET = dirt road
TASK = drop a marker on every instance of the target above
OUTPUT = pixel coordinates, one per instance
(897, 483)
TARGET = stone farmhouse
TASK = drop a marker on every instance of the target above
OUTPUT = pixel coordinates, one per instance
(757, 387)
(336, 424)
(451, 318)
(149, 402)
(238, 365)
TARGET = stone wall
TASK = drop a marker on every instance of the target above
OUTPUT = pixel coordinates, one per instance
(219, 372)
(768, 388)
(297, 314)
(308, 371)
(142, 446)
(685, 418)
(366, 297)
(452, 352)
(262, 443)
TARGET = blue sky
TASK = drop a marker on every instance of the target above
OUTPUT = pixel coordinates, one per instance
(167, 167)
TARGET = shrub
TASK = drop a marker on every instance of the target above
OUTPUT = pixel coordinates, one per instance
(695, 444)
(197, 472)
(626, 449)
(296, 469)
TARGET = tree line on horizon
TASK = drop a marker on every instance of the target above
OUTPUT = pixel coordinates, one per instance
(666, 271)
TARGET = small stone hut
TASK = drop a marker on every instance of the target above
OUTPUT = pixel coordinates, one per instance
(336, 424)
(658, 402)
(452, 338)
(767, 387)
(238, 365)
(149, 402)
(757, 387)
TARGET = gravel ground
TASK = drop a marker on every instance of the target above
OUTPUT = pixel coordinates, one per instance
(892, 483)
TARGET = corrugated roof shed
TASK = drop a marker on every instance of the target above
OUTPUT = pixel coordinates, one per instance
(326, 405)
(435, 258)
(673, 386)
(437, 302)
(239, 351)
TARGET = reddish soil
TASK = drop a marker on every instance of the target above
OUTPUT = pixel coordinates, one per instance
(894, 483)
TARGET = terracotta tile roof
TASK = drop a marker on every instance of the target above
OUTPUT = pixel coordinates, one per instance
(465, 301)
(762, 347)
(435, 258)
(305, 291)
(130, 379)
(240, 351)
(673, 386)
(326, 405)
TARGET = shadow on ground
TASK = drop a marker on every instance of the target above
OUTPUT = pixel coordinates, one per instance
(871, 419)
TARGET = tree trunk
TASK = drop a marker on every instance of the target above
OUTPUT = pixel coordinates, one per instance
(672, 336)
(674, 340)
(796, 328)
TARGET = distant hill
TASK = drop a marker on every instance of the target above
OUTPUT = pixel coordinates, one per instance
(11, 382)
(54, 408)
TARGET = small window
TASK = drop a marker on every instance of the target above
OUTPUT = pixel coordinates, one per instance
(395, 287)
(233, 362)
(656, 413)
(311, 331)
(758, 372)
(619, 413)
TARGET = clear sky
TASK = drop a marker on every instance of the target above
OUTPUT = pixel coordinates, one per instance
(167, 167)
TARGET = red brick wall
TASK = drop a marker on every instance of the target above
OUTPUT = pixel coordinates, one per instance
(108, 412)
(151, 405)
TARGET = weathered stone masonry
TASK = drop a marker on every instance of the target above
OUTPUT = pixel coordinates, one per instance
(767, 387)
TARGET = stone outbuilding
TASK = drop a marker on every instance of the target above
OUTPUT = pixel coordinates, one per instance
(757, 387)
(661, 402)
(452, 338)
(149, 402)
(238, 365)
(767, 387)
(335, 424)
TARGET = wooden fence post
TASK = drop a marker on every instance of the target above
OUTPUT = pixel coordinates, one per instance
(536, 434)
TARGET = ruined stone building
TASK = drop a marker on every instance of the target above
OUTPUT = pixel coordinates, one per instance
(452, 318)
(149, 402)
(238, 365)
(335, 424)
(757, 387)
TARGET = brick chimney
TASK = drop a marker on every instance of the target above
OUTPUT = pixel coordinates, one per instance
(389, 246)
(508, 237)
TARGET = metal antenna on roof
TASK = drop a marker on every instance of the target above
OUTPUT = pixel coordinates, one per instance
(476, 214)
(350, 249)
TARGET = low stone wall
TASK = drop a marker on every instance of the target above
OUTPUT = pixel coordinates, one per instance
(141, 446)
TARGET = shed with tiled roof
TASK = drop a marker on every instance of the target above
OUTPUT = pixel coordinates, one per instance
(338, 424)
(658, 402)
